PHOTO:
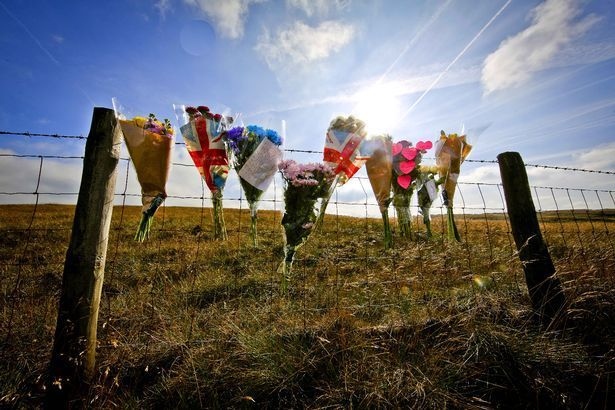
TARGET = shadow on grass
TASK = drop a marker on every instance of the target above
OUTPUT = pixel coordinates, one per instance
(250, 289)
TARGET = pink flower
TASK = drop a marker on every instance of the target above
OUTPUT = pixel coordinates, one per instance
(424, 145)
(409, 153)
(303, 174)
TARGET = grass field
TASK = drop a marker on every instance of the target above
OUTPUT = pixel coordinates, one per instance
(190, 322)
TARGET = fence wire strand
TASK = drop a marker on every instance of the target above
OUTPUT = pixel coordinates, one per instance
(178, 265)
(301, 151)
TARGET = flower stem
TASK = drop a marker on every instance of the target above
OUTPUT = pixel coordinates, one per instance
(404, 221)
(388, 236)
(286, 267)
(427, 221)
(453, 233)
(219, 225)
(145, 225)
(253, 224)
(324, 203)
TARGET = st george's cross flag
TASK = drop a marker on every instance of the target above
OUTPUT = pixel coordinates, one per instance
(342, 152)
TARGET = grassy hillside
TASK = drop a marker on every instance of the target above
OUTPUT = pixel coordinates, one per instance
(189, 322)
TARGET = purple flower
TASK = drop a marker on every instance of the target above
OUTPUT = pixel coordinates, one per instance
(234, 136)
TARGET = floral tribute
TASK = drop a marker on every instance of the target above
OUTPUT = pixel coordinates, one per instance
(379, 168)
(342, 153)
(451, 151)
(149, 142)
(256, 154)
(304, 184)
(406, 160)
(203, 136)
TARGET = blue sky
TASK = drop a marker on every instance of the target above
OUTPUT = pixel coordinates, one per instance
(536, 77)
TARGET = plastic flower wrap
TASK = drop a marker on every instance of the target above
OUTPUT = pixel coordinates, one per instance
(304, 185)
(149, 143)
(342, 153)
(379, 168)
(256, 154)
(202, 133)
(406, 159)
(427, 192)
(451, 151)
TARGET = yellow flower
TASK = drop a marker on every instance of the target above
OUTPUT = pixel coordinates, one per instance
(140, 121)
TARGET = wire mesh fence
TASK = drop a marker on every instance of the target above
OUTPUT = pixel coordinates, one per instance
(182, 288)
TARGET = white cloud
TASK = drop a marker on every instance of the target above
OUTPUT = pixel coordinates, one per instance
(227, 16)
(302, 43)
(319, 7)
(598, 158)
(57, 38)
(554, 26)
(163, 6)
(20, 175)
(601, 157)
(551, 188)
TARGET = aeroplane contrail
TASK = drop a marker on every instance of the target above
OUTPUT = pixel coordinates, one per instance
(414, 39)
(461, 53)
(43, 49)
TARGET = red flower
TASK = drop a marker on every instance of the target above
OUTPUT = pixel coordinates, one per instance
(217, 117)
(203, 108)
(191, 110)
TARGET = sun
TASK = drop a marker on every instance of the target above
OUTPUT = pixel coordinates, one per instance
(379, 107)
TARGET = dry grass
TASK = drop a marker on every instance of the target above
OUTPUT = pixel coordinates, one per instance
(188, 322)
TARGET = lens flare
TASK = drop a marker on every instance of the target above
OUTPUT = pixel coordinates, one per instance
(379, 107)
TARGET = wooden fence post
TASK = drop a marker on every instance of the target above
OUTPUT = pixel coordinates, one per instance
(74, 349)
(544, 287)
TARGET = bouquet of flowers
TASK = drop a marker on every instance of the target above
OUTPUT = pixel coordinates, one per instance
(406, 158)
(451, 151)
(304, 185)
(342, 153)
(256, 154)
(149, 143)
(203, 136)
(379, 168)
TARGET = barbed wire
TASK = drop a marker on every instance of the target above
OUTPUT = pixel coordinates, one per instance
(34, 134)
(302, 151)
(42, 156)
(595, 171)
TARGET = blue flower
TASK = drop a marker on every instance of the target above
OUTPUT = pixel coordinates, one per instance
(256, 130)
(261, 134)
(274, 137)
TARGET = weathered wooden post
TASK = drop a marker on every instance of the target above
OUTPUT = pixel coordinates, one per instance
(545, 290)
(74, 349)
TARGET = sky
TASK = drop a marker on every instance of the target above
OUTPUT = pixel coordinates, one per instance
(532, 76)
